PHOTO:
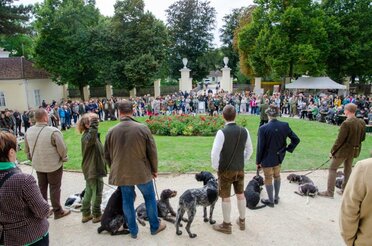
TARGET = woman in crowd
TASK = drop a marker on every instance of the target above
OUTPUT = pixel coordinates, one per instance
(23, 211)
(93, 166)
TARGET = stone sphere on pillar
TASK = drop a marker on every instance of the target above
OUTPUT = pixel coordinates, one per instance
(184, 61)
(226, 60)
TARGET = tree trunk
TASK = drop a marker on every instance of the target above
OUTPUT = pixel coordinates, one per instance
(81, 89)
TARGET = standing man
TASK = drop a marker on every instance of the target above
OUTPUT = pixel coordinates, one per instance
(46, 149)
(18, 123)
(347, 147)
(356, 210)
(131, 153)
(232, 148)
(271, 149)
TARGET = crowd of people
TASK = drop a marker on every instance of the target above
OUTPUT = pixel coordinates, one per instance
(323, 107)
(131, 154)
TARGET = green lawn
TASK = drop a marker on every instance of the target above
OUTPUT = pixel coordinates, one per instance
(186, 154)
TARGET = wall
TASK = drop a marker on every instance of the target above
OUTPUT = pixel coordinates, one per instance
(15, 94)
(49, 91)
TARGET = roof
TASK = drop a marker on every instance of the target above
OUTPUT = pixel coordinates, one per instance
(314, 83)
(20, 68)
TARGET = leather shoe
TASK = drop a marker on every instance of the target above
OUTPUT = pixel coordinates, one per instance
(85, 219)
(162, 226)
(97, 219)
(276, 200)
(325, 194)
(267, 203)
(61, 214)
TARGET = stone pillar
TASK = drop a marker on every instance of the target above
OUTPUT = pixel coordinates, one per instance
(108, 91)
(86, 93)
(185, 82)
(157, 87)
(346, 83)
(226, 80)
(65, 91)
(133, 92)
(257, 86)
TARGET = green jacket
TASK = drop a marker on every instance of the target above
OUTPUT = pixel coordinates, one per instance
(350, 137)
(93, 164)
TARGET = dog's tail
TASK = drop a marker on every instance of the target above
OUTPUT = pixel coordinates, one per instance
(257, 207)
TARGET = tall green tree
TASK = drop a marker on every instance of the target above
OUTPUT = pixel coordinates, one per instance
(286, 38)
(349, 25)
(139, 46)
(190, 24)
(64, 41)
(13, 18)
(18, 45)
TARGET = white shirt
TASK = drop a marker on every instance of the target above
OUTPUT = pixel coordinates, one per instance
(218, 144)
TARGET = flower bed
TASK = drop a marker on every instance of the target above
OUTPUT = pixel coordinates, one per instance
(185, 125)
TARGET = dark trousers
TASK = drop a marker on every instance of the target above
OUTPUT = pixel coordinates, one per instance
(42, 242)
(26, 125)
(54, 180)
(18, 129)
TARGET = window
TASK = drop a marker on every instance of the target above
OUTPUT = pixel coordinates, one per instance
(2, 99)
(37, 97)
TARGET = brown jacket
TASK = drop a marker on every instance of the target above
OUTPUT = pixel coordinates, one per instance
(131, 153)
(349, 141)
(356, 209)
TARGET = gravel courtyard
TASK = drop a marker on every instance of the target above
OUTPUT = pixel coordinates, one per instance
(295, 221)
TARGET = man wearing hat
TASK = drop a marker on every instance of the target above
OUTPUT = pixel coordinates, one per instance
(271, 149)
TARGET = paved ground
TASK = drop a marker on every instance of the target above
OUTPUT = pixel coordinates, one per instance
(295, 221)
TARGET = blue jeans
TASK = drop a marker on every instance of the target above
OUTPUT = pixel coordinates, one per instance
(148, 193)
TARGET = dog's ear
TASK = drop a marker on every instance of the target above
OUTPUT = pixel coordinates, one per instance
(199, 176)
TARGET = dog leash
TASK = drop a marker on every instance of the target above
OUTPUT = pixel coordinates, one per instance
(156, 189)
(109, 186)
(318, 167)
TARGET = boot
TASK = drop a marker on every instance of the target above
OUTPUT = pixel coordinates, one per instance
(241, 223)
(224, 228)
(85, 219)
(97, 219)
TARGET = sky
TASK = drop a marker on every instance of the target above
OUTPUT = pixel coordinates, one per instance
(158, 7)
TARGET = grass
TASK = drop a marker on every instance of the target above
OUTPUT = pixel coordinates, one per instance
(188, 154)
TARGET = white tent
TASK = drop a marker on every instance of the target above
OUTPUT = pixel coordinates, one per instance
(319, 83)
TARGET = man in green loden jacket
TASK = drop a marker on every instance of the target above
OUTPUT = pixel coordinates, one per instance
(347, 147)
